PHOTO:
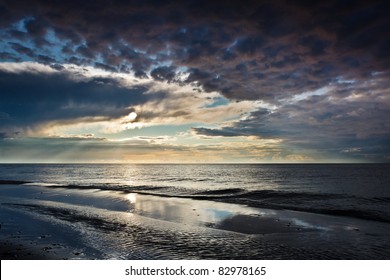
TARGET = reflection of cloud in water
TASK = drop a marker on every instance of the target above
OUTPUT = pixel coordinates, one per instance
(232, 217)
(218, 214)
(305, 224)
(187, 211)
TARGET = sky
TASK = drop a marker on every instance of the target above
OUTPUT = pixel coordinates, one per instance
(195, 81)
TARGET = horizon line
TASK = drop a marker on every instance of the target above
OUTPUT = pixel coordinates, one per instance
(190, 163)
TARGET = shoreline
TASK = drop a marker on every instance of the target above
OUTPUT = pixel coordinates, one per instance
(45, 223)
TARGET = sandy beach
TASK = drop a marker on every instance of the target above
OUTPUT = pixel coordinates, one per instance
(56, 223)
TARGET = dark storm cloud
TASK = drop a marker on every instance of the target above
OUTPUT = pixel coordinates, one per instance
(351, 119)
(6, 56)
(259, 123)
(287, 40)
(105, 67)
(216, 132)
(163, 73)
(22, 49)
(30, 99)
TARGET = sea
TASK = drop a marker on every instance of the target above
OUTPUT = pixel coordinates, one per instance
(358, 190)
(197, 211)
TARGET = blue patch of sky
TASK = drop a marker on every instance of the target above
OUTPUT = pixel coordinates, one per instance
(136, 50)
(114, 51)
(21, 24)
(159, 64)
(218, 101)
(139, 51)
(74, 47)
(56, 46)
(341, 80)
(99, 58)
(181, 73)
(5, 45)
(18, 26)
(53, 50)
(181, 69)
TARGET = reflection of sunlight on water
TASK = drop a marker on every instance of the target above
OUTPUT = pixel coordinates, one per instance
(132, 197)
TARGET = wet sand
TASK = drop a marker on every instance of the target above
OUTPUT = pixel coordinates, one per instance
(44, 223)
